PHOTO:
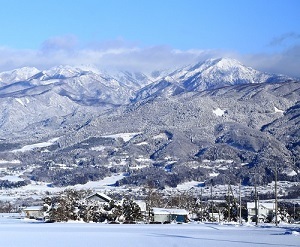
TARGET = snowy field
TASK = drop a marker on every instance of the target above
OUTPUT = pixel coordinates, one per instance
(25, 233)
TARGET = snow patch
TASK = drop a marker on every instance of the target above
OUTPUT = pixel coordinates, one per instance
(12, 178)
(138, 167)
(125, 136)
(36, 145)
(223, 168)
(244, 164)
(291, 173)
(108, 181)
(224, 161)
(278, 110)
(141, 143)
(188, 185)
(219, 112)
(160, 136)
(213, 174)
(99, 148)
(62, 166)
(10, 162)
(143, 160)
(20, 101)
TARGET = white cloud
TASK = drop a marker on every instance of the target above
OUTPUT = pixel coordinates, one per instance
(280, 40)
(285, 62)
(119, 54)
(109, 55)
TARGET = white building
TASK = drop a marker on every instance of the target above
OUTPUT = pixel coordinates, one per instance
(169, 214)
(264, 210)
(34, 212)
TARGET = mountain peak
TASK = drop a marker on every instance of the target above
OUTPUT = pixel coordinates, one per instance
(227, 62)
(62, 72)
(21, 74)
(218, 72)
(209, 74)
(217, 63)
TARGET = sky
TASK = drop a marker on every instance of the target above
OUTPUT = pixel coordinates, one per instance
(150, 35)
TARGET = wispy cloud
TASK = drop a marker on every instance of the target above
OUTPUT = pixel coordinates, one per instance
(123, 55)
(284, 37)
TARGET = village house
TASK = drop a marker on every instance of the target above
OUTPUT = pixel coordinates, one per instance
(34, 212)
(265, 210)
(143, 207)
(100, 197)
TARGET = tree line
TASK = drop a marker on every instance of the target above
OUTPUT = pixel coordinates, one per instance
(73, 205)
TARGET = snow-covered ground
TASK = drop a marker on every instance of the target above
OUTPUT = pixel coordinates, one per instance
(26, 233)
(39, 190)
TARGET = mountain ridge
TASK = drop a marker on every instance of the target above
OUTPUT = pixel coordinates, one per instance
(210, 74)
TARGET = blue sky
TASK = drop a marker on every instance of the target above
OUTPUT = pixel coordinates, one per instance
(264, 34)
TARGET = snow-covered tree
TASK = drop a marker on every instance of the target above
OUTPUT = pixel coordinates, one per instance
(131, 210)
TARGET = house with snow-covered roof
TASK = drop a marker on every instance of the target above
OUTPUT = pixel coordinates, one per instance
(34, 212)
(264, 210)
(100, 197)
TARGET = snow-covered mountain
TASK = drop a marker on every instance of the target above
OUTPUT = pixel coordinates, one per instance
(30, 97)
(16, 75)
(84, 86)
(210, 74)
(80, 123)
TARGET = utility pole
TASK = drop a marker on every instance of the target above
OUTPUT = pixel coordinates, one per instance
(228, 195)
(256, 208)
(240, 197)
(276, 204)
(201, 212)
(211, 197)
(294, 210)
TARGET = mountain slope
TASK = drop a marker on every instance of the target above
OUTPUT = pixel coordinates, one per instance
(194, 136)
(286, 129)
